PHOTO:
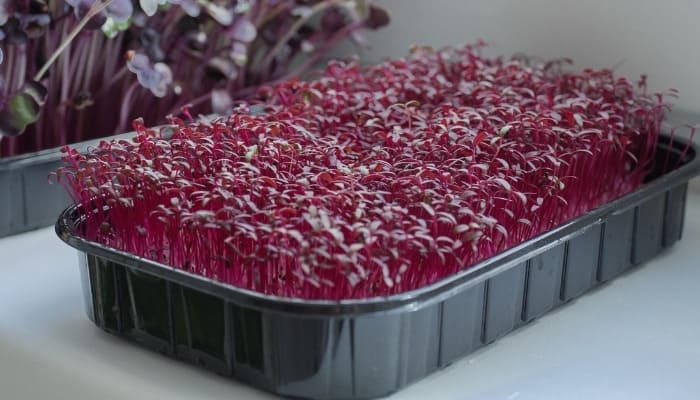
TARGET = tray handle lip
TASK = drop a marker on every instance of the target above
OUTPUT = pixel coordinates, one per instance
(406, 301)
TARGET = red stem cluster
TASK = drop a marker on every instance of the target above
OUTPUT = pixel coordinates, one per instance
(370, 181)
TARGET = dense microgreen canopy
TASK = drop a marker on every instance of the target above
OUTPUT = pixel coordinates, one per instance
(372, 180)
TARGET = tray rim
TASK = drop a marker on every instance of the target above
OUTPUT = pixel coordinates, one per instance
(54, 153)
(401, 302)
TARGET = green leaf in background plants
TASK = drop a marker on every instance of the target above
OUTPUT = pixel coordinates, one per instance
(22, 109)
(111, 28)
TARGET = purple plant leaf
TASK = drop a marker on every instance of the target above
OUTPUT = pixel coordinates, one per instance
(150, 7)
(243, 30)
(222, 15)
(196, 41)
(141, 65)
(148, 78)
(191, 7)
(80, 3)
(165, 78)
(150, 43)
(120, 10)
(332, 20)
(239, 54)
(35, 25)
(224, 67)
(137, 62)
(14, 33)
(4, 12)
(82, 100)
(358, 38)
(377, 17)
(301, 11)
(221, 102)
(149, 37)
(81, 8)
(155, 53)
(242, 7)
(139, 19)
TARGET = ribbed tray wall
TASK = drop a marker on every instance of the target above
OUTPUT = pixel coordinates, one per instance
(28, 201)
(372, 355)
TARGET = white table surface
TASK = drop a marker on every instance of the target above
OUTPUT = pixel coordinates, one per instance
(637, 337)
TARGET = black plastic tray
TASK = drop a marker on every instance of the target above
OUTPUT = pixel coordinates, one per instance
(373, 347)
(27, 200)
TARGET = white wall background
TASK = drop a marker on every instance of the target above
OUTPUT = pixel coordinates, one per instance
(654, 37)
